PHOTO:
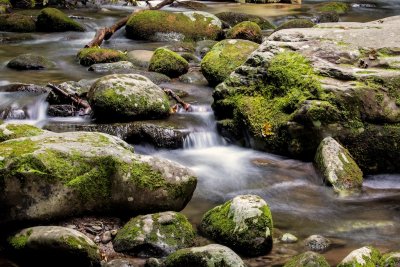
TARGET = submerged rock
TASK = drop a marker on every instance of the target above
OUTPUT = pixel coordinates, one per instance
(30, 62)
(233, 18)
(54, 246)
(93, 55)
(157, 234)
(54, 20)
(338, 167)
(124, 97)
(115, 67)
(317, 243)
(325, 92)
(169, 63)
(363, 257)
(308, 259)
(140, 58)
(225, 57)
(210, 255)
(246, 30)
(59, 178)
(243, 223)
(17, 23)
(193, 25)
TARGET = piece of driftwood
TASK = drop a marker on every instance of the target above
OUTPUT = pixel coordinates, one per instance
(185, 105)
(79, 102)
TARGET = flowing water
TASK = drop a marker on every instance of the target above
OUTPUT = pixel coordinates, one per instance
(299, 202)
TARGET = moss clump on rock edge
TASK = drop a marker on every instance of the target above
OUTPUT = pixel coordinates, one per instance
(193, 25)
(246, 30)
(224, 57)
(168, 62)
(338, 7)
(54, 20)
(94, 55)
(307, 259)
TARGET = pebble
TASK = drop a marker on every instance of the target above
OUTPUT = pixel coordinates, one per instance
(289, 238)
(106, 237)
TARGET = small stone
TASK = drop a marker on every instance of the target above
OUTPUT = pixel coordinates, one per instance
(317, 243)
(289, 238)
(97, 239)
(106, 237)
(114, 232)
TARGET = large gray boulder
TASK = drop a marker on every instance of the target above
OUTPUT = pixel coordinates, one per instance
(301, 85)
(210, 255)
(54, 175)
(157, 234)
(338, 167)
(124, 97)
(243, 224)
(54, 246)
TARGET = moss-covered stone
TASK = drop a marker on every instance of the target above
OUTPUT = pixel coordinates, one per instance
(54, 20)
(60, 178)
(338, 167)
(210, 255)
(338, 7)
(224, 57)
(127, 97)
(94, 55)
(30, 62)
(169, 63)
(243, 223)
(307, 259)
(54, 245)
(157, 234)
(296, 23)
(17, 23)
(11, 131)
(233, 18)
(390, 260)
(157, 25)
(246, 30)
(5, 6)
(362, 257)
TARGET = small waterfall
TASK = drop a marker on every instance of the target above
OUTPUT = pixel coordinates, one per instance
(23, 107)
(206, 135)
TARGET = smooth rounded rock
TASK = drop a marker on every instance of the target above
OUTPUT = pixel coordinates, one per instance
(168, 62)
(54, 20)
(317, 243)
(246, 30)
(30, 62)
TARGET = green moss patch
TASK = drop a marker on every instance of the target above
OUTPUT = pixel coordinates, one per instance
(90, 56)
(54, 20)
(246, 30)
(17, 23)
(296, 23)
(339, 7)
(169, 63)
(12, 131)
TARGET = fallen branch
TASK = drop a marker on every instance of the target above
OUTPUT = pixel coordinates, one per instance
(185, 105)
(74, 98)
(107, 32)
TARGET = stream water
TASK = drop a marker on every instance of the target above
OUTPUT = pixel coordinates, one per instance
(299, 202)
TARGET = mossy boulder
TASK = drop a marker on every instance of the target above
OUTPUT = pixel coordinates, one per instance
(11, 131)
(210, 255)
(157, 235)
(54, 20)
(159, 25)
(122, 97)
(54, 245)
(246, 30)
(94, 55)
(338, 167)
(30, 62)
(243, 224)
(390, 260)
(233, 18)
(225, 57)
(169, 63)
(60, 178)
(17, 23)
(307, 259)
(363, 257)
(296, 23)
(338, 7)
